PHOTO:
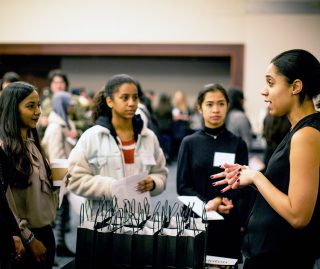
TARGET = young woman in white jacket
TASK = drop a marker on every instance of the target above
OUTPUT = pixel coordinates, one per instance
(117, 146)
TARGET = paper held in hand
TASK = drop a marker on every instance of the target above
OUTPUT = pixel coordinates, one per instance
(126, 189)
(197, 207)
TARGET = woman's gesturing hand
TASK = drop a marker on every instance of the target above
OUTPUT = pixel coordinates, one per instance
(235, 175)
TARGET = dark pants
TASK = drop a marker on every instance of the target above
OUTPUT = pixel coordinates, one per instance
(62, 225)
(7, 250)
(223, 239)
(278, 262)
(46, 236)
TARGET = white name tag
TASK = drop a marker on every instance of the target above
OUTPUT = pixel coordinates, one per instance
(222, 157)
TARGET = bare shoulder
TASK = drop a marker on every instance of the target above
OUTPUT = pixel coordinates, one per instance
(307, 134)
(307, 138)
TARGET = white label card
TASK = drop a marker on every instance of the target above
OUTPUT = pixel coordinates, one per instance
(197, 207)
(220, 260)
(221, 158)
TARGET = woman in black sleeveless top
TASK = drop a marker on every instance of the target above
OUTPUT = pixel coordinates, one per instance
(284, 225)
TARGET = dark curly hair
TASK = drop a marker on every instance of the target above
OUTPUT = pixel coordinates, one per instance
(99, 105)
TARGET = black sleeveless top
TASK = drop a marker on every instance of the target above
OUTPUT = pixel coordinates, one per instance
(268, 232)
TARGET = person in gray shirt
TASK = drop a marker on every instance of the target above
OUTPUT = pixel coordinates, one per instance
(237, 121)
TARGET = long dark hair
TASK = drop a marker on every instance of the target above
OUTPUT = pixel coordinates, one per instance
(10, 135)
(236, 98)
(99, 106)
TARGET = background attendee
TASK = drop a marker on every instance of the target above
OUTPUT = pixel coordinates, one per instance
(163, 113)
(30, 191)
(150, 96)
(118, 145)
(11, 246)
(284, 222)
(196, 120)
(200, 155)
(58, 144)
(146, 112)
(8, 78)
(180, 120)
(237, 121)
(58, 82)
(274, 130)
(81, 115)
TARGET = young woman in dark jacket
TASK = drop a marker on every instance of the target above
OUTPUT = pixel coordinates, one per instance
(201, 155)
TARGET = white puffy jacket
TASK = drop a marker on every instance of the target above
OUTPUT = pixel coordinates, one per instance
(97, 161)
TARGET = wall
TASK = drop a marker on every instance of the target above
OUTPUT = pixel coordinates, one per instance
(163, 75)
(166, 21)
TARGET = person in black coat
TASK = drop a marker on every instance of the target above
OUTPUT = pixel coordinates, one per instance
(11, 246)
(200, 156)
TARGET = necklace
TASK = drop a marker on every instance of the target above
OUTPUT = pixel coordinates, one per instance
(214, 136)
(214, 132)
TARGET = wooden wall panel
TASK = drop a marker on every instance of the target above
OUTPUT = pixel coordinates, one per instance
(235, 52)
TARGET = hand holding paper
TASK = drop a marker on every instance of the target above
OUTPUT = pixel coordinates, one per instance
(126, 189)
(145, 185)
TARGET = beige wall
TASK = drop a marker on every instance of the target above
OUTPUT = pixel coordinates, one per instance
(165, 21)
